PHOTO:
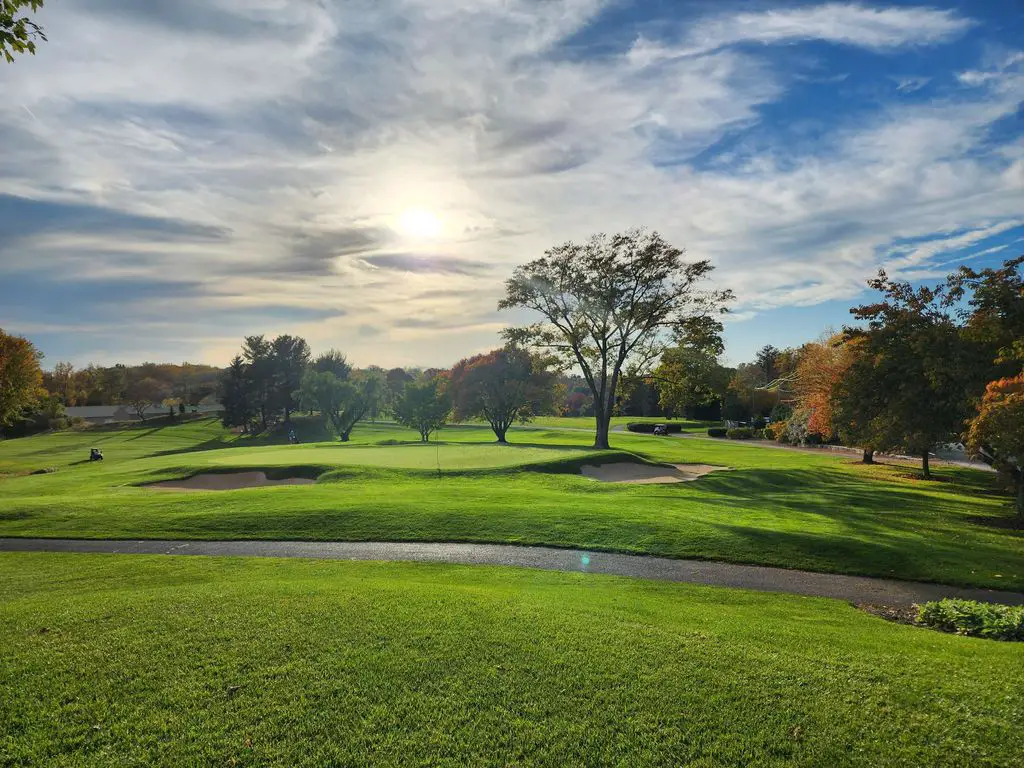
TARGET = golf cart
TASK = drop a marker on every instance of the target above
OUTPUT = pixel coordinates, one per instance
(95, 454)
(661, 429)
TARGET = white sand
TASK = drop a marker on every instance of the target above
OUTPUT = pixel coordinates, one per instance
(626, 472)
(227, 482)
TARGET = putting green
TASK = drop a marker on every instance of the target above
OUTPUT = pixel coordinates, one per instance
(422, 456)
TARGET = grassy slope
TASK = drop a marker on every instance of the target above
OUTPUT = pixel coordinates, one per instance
(792, 509)
(112, 660)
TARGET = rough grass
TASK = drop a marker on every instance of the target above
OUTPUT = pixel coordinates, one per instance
(785, 508)
(133, 661)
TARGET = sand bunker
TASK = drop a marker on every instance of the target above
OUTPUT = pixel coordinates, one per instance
(227, 482)
(645, 474)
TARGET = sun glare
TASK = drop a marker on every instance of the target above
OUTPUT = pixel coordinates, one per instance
(419, 223)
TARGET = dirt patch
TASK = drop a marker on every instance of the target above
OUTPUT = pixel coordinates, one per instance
(227, 481)
(901, 614)
(645, 474)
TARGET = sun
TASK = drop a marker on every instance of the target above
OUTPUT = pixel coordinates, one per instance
(417, 222)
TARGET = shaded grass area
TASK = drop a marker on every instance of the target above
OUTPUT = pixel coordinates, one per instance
(781, 508)
(114, 660)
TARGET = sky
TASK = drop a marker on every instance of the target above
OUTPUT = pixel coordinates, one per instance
(176, 174)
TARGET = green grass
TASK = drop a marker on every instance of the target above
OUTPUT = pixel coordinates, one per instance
(785, 508)
(149, 661)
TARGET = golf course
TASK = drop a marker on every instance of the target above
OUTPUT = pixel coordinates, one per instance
(145, 660)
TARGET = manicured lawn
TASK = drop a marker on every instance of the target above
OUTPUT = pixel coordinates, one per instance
(814, 511)
(119, 660)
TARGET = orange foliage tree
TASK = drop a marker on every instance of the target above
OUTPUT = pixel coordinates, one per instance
(997, 432)
(822, 365)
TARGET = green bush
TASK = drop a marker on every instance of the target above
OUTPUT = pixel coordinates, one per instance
(740, 433)
(969, 617)
(717, 432)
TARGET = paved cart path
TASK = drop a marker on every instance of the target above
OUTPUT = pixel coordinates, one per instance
(857, 589)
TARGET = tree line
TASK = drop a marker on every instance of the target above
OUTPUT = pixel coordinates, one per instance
(272, 379)
(639, 325)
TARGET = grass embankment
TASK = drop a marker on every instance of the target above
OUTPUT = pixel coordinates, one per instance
(114, 660)
(800, 510)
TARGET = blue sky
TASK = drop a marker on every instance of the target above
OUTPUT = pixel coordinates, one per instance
(366, 173)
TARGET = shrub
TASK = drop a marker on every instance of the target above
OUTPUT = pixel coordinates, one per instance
(648, 428)
(759, 434)
(740, 433)
(59, 423)
(969, 617)
(781, 412)
(777, 430)
(717, 432)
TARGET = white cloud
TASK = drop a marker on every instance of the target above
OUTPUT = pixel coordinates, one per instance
(304, 135)
(858, 25)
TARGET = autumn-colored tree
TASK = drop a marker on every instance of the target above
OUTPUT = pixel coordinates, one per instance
(21, 378)
(996, 434)
(502, 387)
(822, 366)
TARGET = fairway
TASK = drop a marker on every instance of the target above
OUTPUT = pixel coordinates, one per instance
(417, 456)
(133, 660)
(810, 511)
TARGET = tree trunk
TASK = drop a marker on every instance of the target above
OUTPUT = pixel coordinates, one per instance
(500, 433)
(603, 423)
(924, 465)
(344, 435)
(869, 456)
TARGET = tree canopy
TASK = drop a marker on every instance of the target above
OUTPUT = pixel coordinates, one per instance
(21, 377)
(424, 405)
(997, 432)
(342, 402)
(613, 301)
(502, 386)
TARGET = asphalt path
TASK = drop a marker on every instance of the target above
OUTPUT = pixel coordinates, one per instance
(855, 589)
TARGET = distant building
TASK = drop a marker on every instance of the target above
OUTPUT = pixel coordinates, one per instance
(108, 414)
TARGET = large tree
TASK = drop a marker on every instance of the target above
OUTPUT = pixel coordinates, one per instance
(18, 32)
(914, 380)
(502, 387)
(234, 395)
(993, 313)
(257, 352)
(343, 403)
(424, 405)
(21, 378)
(688, 376)
(290, 355)
(610, 302)
(142, 392)
(997, 432)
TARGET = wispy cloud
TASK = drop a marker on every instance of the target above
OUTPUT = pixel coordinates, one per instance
(265, 158)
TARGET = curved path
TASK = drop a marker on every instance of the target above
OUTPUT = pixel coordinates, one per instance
(857, 589)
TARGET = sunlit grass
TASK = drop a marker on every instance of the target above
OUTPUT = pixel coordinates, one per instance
(785, 508)
(161, 661)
